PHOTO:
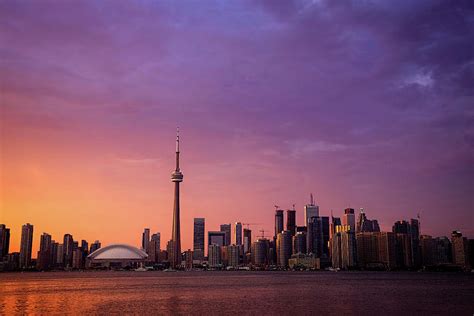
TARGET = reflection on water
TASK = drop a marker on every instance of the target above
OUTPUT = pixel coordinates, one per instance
(236, 292)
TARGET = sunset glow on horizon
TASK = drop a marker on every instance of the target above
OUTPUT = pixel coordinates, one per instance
(273, 103)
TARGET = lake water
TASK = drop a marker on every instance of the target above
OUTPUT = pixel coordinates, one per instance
(256, 293)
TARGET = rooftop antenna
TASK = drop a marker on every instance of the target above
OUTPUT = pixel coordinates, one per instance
(311, 199)
(294, 207)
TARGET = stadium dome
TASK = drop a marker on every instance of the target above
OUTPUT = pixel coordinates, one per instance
(117, 255)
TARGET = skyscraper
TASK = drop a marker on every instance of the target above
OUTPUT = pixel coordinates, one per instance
(299, 243)
(198, 238)
(291, 221)
(314, 237)
(154, 248)
(349, 218)
(176, 177)
(260, 250)
(233, 255)
(343, 248)
(68, 244)
(247, 240)
(310, 210)
(26, 245)
(214, 255)
(278, 222)
(283, 248)
(95, 246)
(145, 239)
(238, 233)
(43, 260)
(4, 241)
(227, 228)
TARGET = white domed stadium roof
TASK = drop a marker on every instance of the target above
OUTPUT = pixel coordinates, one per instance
(118, 252)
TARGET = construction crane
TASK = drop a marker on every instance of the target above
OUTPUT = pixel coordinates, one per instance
(248, 224)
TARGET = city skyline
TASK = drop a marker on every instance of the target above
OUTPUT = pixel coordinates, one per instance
(274, 102)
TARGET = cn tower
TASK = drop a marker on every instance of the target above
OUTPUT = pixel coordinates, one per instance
(176, 177)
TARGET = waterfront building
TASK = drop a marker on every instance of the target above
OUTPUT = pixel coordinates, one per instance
(326, 234)
(4, 241)
(145, 239)
(260, 252)
(198, 239)
(60, 256)
(344, 251)
(304, 261)
(77, 259)
(233, 255)
(68, 244)
(427, 249)
(366, 225)
(278, 222)
(214, 255)
(43, 259)
(247, 240)
(387, 249)
(188, 257)
(349, 219)
(26, 246)
(238, 233)
(415, 241)
(299, 243)
(404, 255)
(335, 221)
(283, 248)
(442, 252)
(310, 210)
(117, 256)
(460, 248)
(176, 178)
(227, 229)
(291, 221)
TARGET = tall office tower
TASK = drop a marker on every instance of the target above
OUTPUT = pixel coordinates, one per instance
(26, 245)
(415, 239)
(68, 244)
(154, 248)
(214, 255)
(314, 242)
(238, 233)
(376, 250)
(299, 243)
(247, 240)
(460, 247)
(427, 250)
(215, 238)
(227, 228)
(366, 225)
(43, 260)
(198, 238)
(335, 221)
(278, 222)
(443, 252)
(77, 259)
(177, 178)
(387, 249)
(4, 241)
(260, 249)
(291, 221)
(145, 239)
(325, 228)
(95, 246)
(310, 210)
(284, 248)
(233, 255)
(404, 251)
(349, 218)
(344, 251)
(84, 250)
(60, 256)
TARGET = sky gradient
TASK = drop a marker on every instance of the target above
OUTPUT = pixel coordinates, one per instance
(363, 103)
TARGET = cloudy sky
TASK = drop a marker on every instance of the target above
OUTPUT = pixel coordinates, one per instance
(363, 103)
